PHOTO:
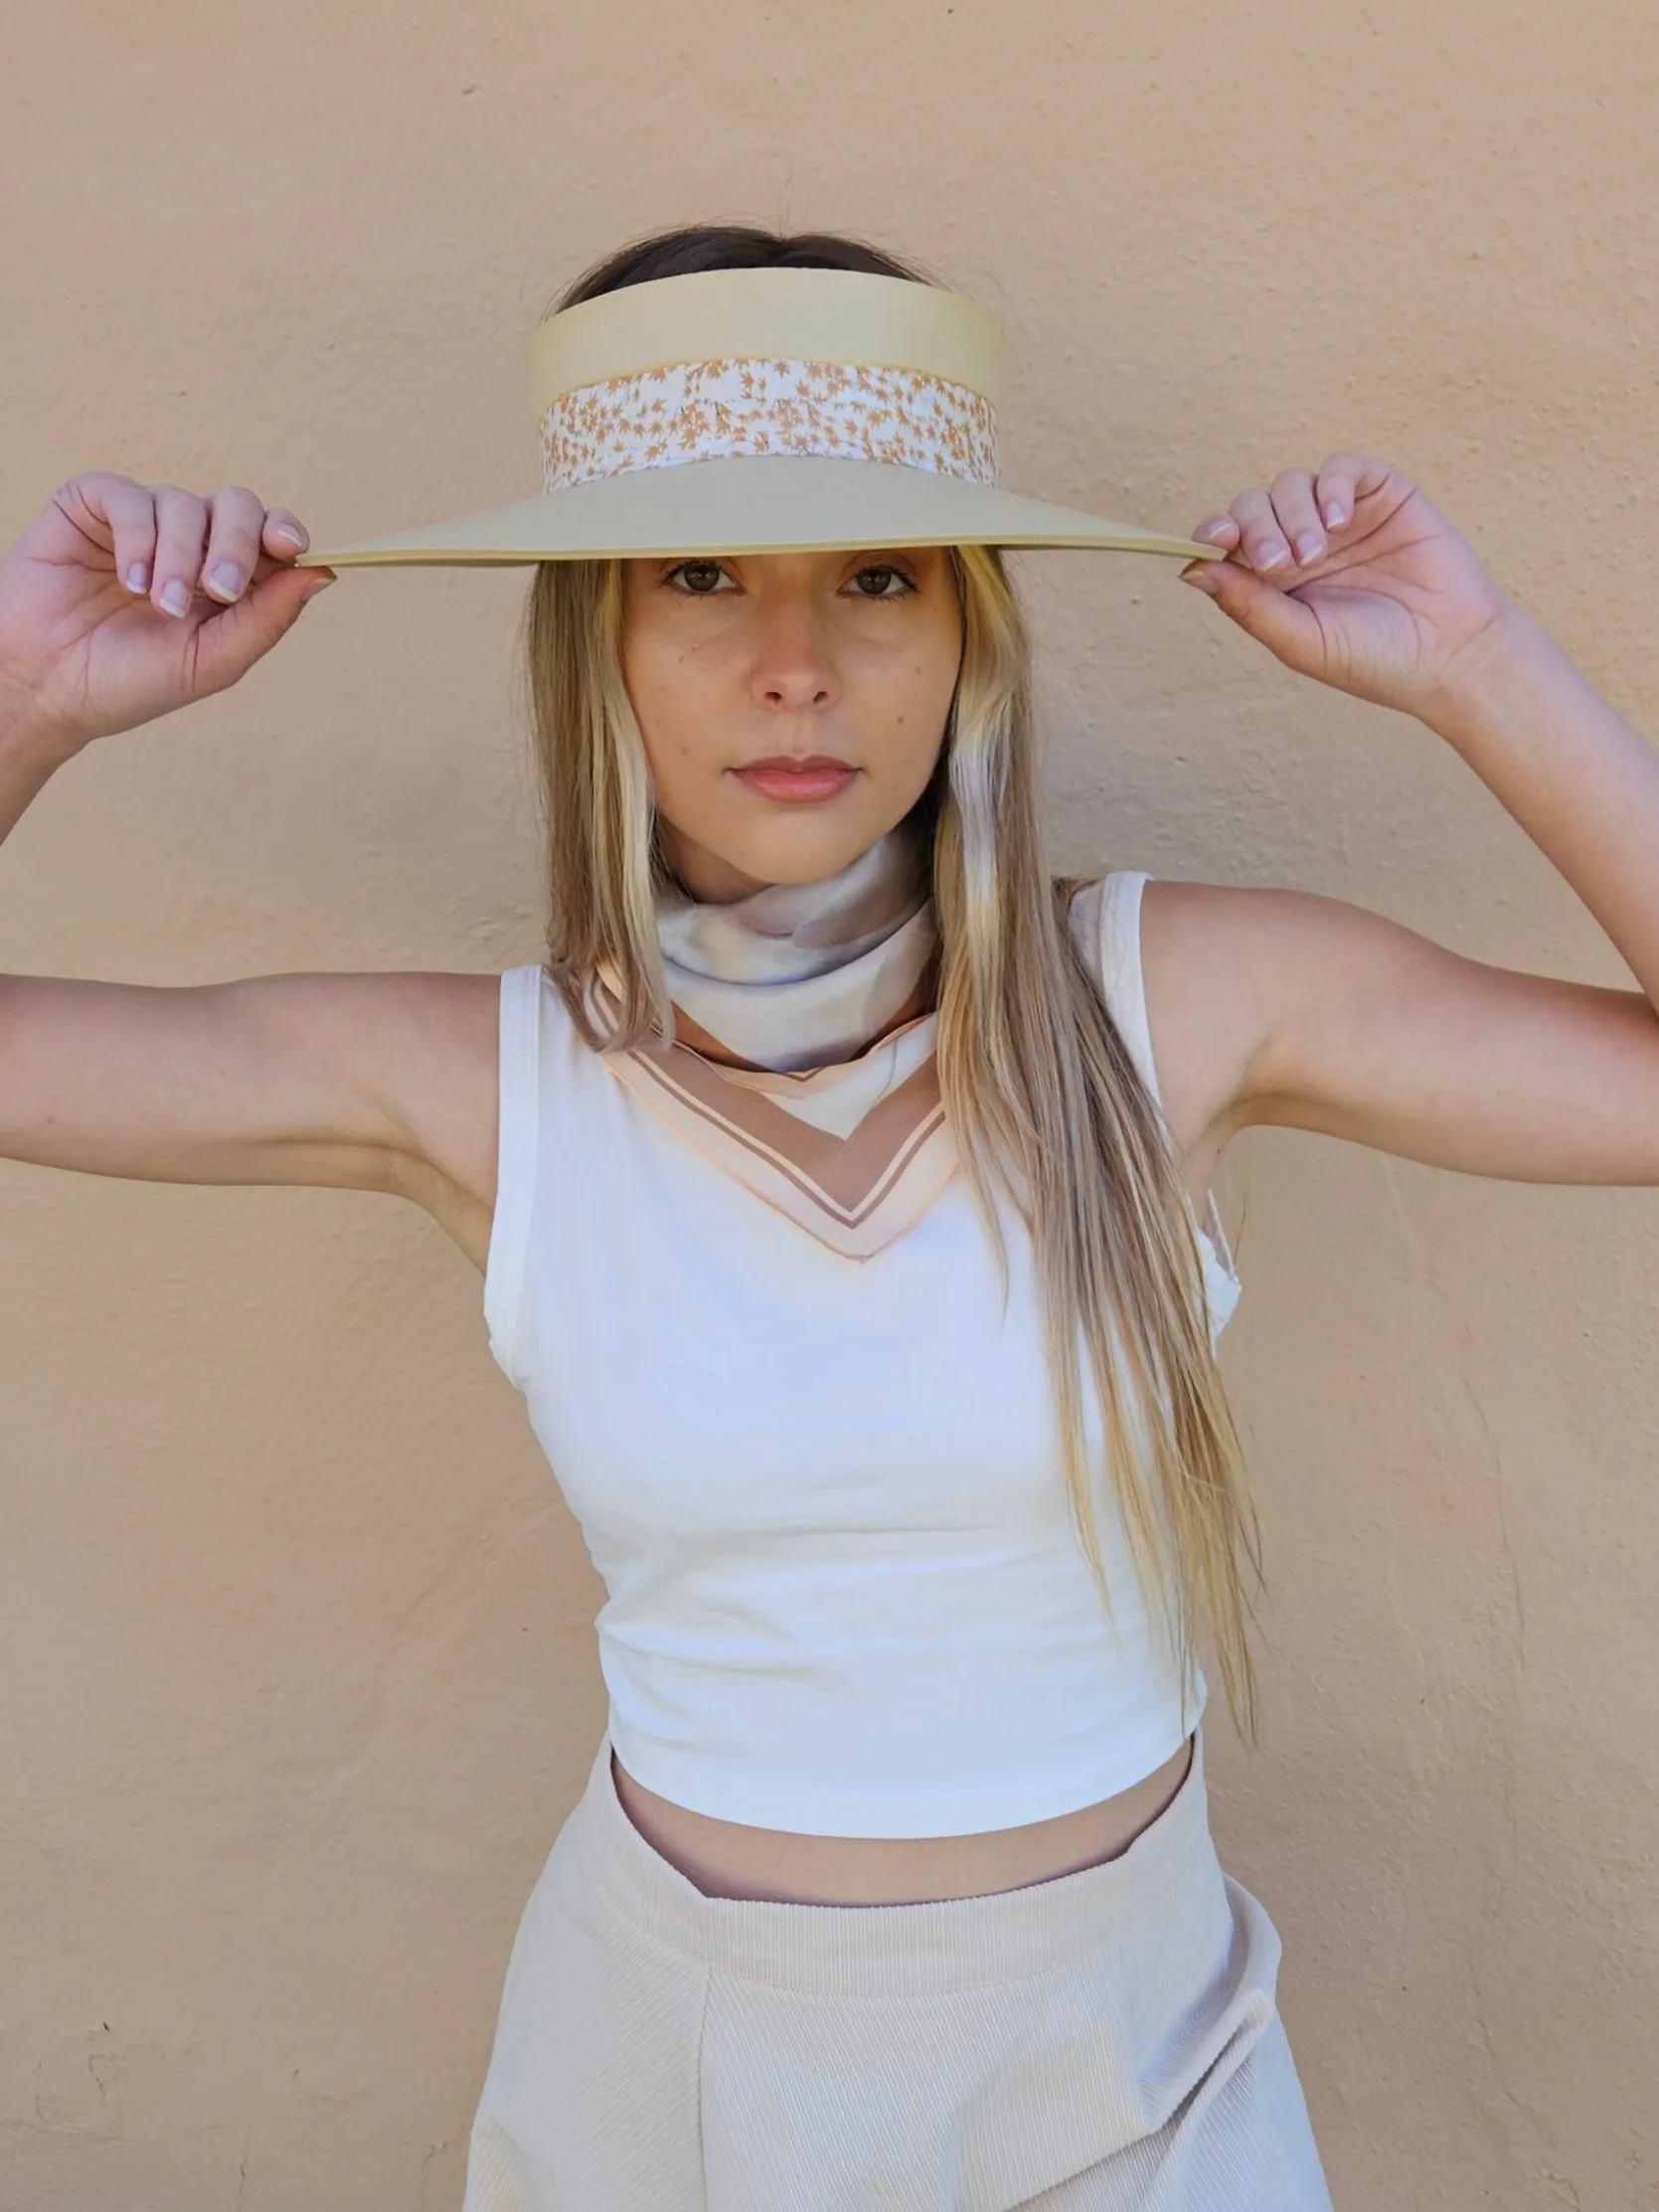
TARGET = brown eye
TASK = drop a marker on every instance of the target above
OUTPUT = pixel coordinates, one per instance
(876, 581)
(700, 578)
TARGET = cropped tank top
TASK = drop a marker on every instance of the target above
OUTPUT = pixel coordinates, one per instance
(814, 1459)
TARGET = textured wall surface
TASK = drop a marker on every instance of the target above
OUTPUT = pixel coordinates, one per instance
(295, 1632)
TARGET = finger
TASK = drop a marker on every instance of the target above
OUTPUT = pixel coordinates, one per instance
(129, 512)
(1277, 618)
(1334, 489)
(181, 527)
(236, 525)
(1217, 530)
(233, 637)
(283, 540)
(284, 534)
(1293, 496)
(116, 519)
(1262, 542)
(1346, 478)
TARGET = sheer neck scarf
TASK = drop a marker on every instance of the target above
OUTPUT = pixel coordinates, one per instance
(833, 1122)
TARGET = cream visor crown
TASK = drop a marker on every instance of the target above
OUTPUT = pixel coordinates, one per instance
(859, 369)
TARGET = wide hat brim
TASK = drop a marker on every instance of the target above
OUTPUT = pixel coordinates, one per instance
(751, 503)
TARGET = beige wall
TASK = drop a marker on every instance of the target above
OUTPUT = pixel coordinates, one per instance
(294, 1630)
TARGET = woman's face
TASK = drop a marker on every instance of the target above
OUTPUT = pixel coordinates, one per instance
(739, 661)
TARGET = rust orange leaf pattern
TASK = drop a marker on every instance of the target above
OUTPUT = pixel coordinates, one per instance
(709, 410)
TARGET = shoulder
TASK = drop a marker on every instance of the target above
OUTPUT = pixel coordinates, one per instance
(1202, 1008)
(439, 1035)
(1181, 966)
(437, 1049)
(408, 1044)
(1231, 972)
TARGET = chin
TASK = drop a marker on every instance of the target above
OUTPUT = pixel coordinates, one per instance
(800, 851)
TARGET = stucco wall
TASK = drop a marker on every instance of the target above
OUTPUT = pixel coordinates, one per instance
(295, 1633)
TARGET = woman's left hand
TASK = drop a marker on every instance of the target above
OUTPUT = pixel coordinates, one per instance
(1352, 575)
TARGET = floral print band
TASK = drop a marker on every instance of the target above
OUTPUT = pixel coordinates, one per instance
(709, 410)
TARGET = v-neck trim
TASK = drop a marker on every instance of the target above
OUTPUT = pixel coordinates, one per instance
(856, 1193)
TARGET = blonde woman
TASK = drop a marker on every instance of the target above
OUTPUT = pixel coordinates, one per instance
(840, 1185)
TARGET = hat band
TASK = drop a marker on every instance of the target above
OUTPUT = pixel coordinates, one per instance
(711, 410)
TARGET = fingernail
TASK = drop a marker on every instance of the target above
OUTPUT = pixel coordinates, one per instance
(225, 579)
(1272, 553)
(289, 532)
(1310, 547)
(175, 597)
(321, 585)
(1201, 579)
(138, 576)
(1334, 513)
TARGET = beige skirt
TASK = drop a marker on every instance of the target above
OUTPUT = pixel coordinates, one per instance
(1106, 2041)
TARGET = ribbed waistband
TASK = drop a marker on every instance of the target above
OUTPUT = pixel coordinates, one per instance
(940, 1944)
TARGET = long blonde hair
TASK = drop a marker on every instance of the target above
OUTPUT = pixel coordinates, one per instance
(1044, 1099)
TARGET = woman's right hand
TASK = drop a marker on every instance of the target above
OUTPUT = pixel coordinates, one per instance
(84, 653)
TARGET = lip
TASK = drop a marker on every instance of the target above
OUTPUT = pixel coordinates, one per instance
(819, 775)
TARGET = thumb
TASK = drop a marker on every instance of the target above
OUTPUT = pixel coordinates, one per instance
(1283, 625)
(229, 641)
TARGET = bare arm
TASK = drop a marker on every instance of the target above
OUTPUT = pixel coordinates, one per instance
(317, 1079)
(368, 1081)
(1284, 1008)
(1280, 1007)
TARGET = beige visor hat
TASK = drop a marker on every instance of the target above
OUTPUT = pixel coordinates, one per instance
(760, 410)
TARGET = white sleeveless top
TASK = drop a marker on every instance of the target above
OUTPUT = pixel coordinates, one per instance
(760, 1337)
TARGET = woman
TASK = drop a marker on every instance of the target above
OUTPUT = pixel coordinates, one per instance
(913, 1490)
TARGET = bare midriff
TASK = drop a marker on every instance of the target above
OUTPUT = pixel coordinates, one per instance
(724, 1858)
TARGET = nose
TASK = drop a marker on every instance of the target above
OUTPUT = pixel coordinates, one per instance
(794, 670)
